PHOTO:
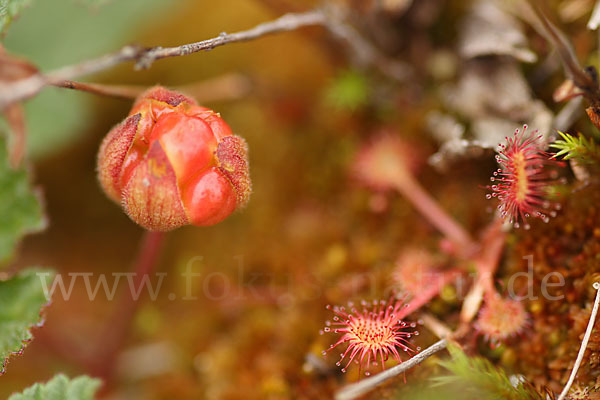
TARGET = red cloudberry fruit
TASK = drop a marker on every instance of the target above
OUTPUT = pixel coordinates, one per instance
(523, 179)
(172, 163)
(375, 332)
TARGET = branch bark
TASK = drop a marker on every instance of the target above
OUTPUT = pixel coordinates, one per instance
(144, 57)
(331, 17)
(358, 389)
(221, 88)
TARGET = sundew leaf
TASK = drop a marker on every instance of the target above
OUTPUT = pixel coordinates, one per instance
(20, 209)
(9, 9)
(22, 299)
(61, 388)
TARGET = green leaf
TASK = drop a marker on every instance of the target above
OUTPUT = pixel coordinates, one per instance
(9, 9)
(61, 388)
(582, 149)
(20, 209)
(480, 379)
(94, 3)
(349, 91)
(22, 299)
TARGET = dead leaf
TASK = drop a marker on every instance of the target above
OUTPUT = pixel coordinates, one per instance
(494, 97)
(12, 69)
(489, 30)
(15, 118)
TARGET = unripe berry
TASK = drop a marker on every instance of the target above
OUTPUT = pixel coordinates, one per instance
(172, 163)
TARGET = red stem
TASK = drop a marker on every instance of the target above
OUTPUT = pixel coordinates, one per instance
(437, 283)
(437, 216)
(493, 243)
(118, 328)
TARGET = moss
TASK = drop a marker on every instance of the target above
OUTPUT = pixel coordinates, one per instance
(569, 245)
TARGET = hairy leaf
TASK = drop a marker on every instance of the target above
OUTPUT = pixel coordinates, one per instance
(20, 208)
(22, 299)
(61, 388)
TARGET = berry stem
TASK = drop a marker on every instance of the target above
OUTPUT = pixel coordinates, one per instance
(118, 328)
(410, 188)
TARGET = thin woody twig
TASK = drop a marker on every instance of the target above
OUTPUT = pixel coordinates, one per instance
(584, 343)
(436, 326)
(287, 22)
(144, 57)
(580, 77)
(224, 87)
(362, 50)
(332, 18)
(358, 389)
(117, 91)
(29, 87)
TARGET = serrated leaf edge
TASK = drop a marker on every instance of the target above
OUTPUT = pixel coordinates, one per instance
(25, 342)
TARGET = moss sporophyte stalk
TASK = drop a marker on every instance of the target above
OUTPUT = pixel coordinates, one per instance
(172, 162)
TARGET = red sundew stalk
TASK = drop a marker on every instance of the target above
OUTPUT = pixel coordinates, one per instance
(500, 318)
(385, 164)
(492, 244)
(429, 208)
(371, 333)
(523, 180)
(423, 297)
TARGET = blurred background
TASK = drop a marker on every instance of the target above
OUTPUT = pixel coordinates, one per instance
(310, 235)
